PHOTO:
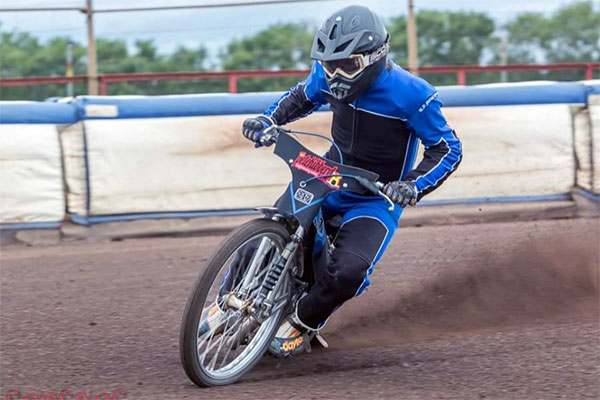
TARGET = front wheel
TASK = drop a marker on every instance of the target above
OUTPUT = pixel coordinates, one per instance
(219, 338)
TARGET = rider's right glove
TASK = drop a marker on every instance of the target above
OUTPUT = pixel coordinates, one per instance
(254, 128)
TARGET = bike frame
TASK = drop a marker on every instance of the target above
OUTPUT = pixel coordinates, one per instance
(313, 178)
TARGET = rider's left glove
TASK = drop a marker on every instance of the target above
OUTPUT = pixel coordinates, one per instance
(401, 192)
(253, 128)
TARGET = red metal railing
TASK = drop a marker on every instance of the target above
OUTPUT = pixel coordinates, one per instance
(233, 76)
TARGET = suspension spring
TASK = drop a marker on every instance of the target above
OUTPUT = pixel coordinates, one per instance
(273, 276)
(264, 300)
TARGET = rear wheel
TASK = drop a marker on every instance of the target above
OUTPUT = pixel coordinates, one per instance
(219, 339)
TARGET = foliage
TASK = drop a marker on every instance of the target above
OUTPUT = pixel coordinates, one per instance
(24, 55)
(444, 38)
(570, 34)
(278, 47)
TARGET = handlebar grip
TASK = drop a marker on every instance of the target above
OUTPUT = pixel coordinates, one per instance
(270, 135)
(265, 140)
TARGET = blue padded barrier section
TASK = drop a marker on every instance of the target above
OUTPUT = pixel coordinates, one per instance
(253, 103)
(500, 95)
(51, 112)
(592, 87)
(181, 105)
(33, 112)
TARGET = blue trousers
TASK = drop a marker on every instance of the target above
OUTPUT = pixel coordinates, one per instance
(366, 230)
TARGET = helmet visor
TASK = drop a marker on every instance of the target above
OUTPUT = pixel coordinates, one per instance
(347, 67)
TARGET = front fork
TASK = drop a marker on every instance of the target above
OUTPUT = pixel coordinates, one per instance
(271, 285)
(265, 303)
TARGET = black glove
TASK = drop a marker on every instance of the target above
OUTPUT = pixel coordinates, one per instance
(253, 128)
(401, 192)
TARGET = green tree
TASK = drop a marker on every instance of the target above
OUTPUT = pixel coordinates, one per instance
(527, 34)
(188, 59)
(282, 46)
(111, 54)
(22, 54)
(444, 38)
(147, 59)
(571, 34)
(575, 34)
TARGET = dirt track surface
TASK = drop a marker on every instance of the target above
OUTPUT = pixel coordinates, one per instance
(498, 311)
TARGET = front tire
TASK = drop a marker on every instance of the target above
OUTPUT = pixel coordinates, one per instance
(221, 277)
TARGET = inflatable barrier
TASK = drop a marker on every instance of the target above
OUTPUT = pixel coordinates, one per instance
(31, 175)
(110, 158)
(586, 140)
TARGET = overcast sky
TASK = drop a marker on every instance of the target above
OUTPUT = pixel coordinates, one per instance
(213, 28)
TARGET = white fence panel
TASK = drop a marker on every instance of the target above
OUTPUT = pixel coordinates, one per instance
(204, 163)
(31, 179)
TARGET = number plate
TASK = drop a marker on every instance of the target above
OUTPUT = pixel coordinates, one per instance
(304, 196)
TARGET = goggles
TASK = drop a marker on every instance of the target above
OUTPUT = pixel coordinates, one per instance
(352, 66)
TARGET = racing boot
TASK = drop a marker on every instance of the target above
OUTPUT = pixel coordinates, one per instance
(291, 338)
(212, 320)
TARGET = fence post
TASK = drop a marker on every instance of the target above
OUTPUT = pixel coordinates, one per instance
(232, 83)
(589, 75)
(461, 76)
(103, 88)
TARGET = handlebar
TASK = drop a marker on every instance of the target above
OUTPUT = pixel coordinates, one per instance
(271, 134)
(375, 188)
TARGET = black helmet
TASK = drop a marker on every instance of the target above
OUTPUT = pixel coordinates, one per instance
(352, 47)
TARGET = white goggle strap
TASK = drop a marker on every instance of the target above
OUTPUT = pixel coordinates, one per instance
(377, 55)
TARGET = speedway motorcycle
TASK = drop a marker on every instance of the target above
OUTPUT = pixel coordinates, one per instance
(261, 269)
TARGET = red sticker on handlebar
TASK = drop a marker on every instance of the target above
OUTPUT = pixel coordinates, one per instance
(317, 167)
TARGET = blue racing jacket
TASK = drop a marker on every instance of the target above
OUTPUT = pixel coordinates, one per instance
(381, 129)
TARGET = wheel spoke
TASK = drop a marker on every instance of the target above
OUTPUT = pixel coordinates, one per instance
(225, 333)
(236, 343)
(212, 334)
(222, 340)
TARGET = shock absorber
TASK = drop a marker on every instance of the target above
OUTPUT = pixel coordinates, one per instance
(273, 276)
(272, 280)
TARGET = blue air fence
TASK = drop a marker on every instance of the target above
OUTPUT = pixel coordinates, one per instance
(104, 159)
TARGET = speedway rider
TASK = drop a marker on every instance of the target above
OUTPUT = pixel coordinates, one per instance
(380, 112)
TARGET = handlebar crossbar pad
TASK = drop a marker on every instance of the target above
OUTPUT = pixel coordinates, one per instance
(313, 177)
